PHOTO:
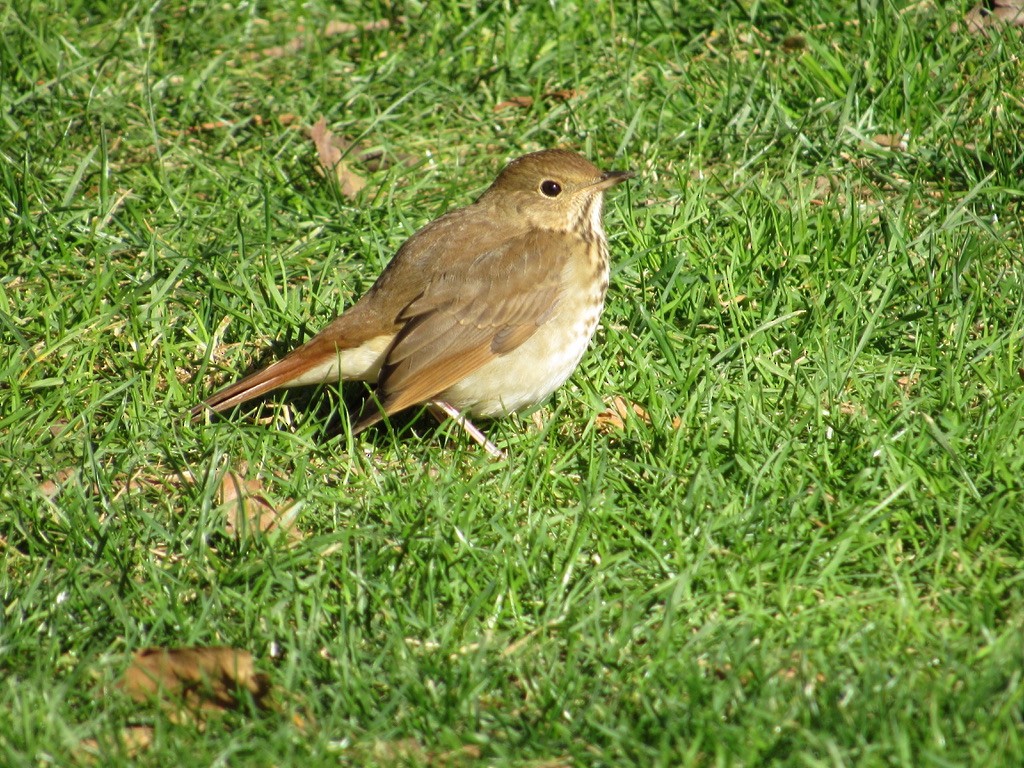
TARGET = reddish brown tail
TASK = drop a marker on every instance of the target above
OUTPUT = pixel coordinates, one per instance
(280, 374)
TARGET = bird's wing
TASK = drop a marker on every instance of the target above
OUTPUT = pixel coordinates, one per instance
(469, 315)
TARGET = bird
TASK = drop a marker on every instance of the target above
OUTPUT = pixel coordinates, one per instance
(483, 312)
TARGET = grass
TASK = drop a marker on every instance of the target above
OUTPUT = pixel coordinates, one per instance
(809, 553)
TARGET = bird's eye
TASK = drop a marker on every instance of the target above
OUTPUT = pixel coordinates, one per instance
(551, 188)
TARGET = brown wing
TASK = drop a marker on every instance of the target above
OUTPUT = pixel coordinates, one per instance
(423, 259)
(467, 317)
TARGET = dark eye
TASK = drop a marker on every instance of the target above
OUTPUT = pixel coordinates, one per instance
(551, 188)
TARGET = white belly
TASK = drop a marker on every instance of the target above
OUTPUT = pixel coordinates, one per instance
(530, 373)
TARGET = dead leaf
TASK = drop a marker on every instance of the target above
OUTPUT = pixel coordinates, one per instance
(332, 28)
(331, 149)
(736, 300)
(527, 101)
(515, 101)
(410, 752)
(907, 382)
(347, 27)
(250, 510)
(399, 751)
(614, 417)
(537, 418)
(293, 46)
(133, 740)
(849, 408)
(992, 14)
(194, 678)
(897, 142)
(50, 488)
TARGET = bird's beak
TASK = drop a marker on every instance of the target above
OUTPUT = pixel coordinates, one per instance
(611, 178)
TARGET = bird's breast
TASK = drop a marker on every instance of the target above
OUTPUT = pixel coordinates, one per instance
(528, 374)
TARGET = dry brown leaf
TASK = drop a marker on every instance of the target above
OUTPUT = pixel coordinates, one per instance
(250, 510)
(194, 678)
(822, 189)
(527, 101)
(897, 142)
(515, 101)
(293, 46)
(218, 125)
(849, 408)
(614, 417)
(736, 300)
(907, 382)
(346, 27)
(399, 751)
(331, 149)
(411, 752)
(133, 740)
(333, 28)
(50, 488)
(991, 14)
(537, 419)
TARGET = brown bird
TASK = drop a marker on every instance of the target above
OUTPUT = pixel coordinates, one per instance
(483, 312)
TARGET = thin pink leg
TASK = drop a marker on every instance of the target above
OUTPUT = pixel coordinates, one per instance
(443, 410)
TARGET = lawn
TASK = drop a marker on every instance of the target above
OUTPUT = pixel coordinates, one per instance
(775, 517)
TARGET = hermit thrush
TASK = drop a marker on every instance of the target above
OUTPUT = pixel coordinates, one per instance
(483, 312)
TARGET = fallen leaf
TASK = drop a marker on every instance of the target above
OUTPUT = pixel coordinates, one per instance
(293, 46)
(991, 14)
(194, 678)
(614, 417)
(907, 382)
(347, 27)
(736, 300)
(527, 101)
(50, 488)
(897, 142)
(249, 507)
(399, 751)
(132, 739)
(410, 752)
(332, 28)
(250, 510)
(331, 149)
(848, 408)
(515, 101)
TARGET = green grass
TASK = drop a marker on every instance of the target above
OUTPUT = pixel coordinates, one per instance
(812, 555)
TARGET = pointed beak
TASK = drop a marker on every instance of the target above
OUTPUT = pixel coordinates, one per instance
(611, 178)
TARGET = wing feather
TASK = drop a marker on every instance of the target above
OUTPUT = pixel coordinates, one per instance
(463, 320)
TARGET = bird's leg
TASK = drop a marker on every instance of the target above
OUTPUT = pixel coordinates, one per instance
(443, 410)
